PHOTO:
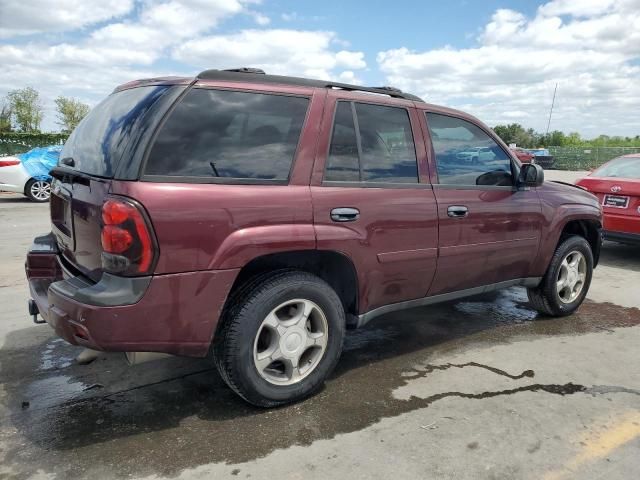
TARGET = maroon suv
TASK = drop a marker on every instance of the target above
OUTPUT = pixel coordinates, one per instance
(254, 218)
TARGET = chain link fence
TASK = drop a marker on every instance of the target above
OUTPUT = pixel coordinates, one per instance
(586, 158)
(13, 143)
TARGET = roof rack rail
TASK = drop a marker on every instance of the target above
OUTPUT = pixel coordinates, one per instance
(244, 74)
(258, 71)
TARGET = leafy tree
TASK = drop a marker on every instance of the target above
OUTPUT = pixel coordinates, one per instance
(26, 109)
(5, 118)
(70, 112)
(516, 133)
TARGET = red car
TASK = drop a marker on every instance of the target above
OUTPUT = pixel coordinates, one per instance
(617, 185)
(523, 155)
(253, 218)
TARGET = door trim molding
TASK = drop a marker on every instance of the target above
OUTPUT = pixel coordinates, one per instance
(365, 318)
(484, 247)
(403, 255)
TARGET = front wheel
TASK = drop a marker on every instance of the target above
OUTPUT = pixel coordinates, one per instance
(280, 338)
(38, 190)
(566, 283)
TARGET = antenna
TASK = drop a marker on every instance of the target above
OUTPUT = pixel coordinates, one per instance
(551, 111)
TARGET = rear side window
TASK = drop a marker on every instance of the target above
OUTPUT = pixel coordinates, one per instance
(466, 155)
(225, 134)
(97, 143)
(379, 149)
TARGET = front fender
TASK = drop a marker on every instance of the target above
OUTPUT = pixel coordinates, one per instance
(559, 218)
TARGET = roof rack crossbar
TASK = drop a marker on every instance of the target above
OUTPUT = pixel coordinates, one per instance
(245, 73)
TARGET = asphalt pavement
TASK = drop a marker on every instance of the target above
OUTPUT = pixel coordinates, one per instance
(483, 388)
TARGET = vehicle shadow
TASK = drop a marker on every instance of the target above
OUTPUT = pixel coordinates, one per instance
(165, 416)
(16, 199)
(620, 255)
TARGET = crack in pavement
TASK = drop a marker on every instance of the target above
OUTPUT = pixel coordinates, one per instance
(569, 388)
(446, 366)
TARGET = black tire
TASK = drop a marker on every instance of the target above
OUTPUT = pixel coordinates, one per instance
(31, 195)
(234, 342)
(545, 297)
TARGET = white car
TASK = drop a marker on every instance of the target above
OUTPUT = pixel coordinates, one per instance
(476, 154)
(15, 178)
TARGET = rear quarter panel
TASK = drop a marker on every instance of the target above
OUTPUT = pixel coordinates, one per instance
(213, 227)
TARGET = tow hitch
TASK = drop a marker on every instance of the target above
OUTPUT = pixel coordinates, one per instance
(33, 311)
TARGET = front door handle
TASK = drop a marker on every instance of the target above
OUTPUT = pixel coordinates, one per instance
(345, 214)
(457, 211)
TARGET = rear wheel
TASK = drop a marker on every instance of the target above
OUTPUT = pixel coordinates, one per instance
(38, 190)
(280, 338)
(566, 283)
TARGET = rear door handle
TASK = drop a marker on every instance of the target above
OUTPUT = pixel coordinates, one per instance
(345, 214)
(457, 211)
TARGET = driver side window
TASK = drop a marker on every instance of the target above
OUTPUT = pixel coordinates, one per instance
(466, 155)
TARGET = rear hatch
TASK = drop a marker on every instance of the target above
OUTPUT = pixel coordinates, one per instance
(92, 157)
(617, 195)
(620, 200)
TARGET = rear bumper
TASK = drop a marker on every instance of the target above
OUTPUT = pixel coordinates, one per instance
(621, 228)
(175, 313)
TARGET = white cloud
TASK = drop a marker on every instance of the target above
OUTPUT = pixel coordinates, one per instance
(350, 59)
(23, 17)
(120, 51)
(348, 76)
(260, 18)
(591, 49)
(277, 51)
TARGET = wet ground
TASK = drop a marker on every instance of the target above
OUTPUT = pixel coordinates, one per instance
(483, 388)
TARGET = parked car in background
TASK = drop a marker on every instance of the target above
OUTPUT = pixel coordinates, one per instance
(523, 155)
(617, 186)
(28, 173)
(255, 218)
(475, 155)
(15, 178)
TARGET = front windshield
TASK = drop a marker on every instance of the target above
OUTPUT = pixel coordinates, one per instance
(622, 167)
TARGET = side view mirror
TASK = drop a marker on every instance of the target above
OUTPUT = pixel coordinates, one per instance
(531, 175)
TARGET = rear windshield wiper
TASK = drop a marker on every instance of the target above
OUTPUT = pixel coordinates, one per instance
(215, 170)
(68, 162)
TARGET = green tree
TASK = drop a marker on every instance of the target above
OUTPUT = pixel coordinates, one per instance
(70, 112)
(26, 109)
(5, 118)
(574, 139)
(516, 133)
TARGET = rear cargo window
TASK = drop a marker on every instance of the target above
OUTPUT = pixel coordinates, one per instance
(224, 134)
(99, 140)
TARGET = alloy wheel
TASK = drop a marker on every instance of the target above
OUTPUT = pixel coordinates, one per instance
(290, 342)
(571, 276)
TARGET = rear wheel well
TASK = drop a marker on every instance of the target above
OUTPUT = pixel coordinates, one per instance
(334, 268)
(589, 230)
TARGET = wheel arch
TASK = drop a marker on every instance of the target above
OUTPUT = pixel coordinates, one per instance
(589, 229)
(335, 268)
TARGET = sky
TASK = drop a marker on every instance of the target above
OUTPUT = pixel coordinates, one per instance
(499, 60)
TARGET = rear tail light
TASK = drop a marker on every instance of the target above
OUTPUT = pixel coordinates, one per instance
(128, 244)
(9, 163)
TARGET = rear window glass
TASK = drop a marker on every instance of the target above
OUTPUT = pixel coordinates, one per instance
(621, 167)
(225, 134)
(99, 140)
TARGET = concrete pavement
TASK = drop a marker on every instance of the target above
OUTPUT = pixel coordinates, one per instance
(483, 388)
